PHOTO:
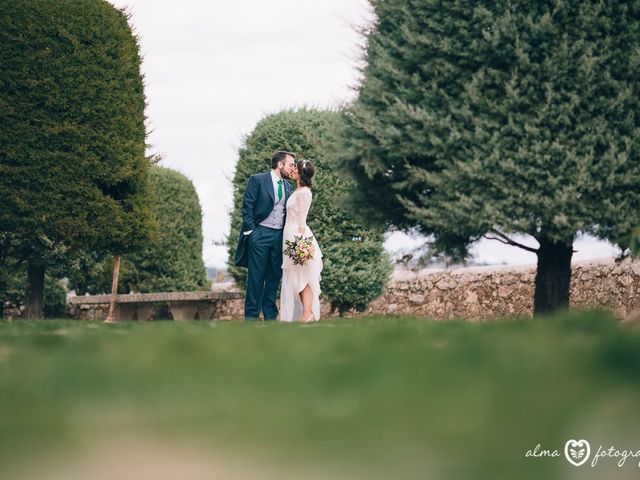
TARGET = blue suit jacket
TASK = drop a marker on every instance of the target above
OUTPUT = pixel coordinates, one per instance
(257, 204)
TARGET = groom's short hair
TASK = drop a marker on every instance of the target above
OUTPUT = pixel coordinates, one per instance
(280, 156)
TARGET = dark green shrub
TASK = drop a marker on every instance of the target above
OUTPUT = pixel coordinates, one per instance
(356, 268)
(171, 263)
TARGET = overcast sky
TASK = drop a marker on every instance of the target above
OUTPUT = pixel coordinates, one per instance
(214, 68)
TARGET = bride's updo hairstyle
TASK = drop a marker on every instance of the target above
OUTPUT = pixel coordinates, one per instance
(306, 171)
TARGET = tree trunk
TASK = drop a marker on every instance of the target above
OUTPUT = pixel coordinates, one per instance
(553, 277)
(35, 292)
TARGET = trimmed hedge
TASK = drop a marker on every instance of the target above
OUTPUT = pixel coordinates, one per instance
(173, 262)
(356, 267)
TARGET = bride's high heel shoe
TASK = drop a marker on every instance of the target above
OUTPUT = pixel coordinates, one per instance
(310, 318)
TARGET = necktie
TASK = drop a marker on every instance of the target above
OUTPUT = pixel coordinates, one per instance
(279, 189)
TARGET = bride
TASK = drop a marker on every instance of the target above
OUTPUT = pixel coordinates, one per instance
(300, 292)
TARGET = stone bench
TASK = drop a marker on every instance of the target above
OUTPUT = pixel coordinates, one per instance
(144, 306)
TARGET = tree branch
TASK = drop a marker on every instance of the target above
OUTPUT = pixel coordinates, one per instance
(507, 241)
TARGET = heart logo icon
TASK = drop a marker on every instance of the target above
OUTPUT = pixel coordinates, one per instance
(577, 451)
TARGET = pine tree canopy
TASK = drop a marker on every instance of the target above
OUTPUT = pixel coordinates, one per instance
(483, 117)
(73, 171)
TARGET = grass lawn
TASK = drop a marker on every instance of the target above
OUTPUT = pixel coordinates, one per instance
(379, 397)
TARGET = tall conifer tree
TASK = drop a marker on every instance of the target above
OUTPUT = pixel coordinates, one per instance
(483, 118)
(73, 173)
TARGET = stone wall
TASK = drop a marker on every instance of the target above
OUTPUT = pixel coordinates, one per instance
(480, 293)
(488, 292)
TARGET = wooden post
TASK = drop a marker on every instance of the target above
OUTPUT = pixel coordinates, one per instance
(114, 291)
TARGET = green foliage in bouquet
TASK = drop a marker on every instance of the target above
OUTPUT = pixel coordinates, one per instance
(73, 172)
(173, 262)
(351, 248)
(481, 118)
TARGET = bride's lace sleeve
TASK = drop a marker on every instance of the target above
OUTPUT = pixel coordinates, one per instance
(304, 203)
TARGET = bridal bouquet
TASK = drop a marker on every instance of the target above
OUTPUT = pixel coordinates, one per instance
(300, 249)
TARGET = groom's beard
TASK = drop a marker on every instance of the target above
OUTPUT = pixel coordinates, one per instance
(284, 174)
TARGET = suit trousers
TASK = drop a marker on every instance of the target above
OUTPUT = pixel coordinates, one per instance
(264, 273)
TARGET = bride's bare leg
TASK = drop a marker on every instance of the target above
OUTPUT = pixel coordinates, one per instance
(306, 297)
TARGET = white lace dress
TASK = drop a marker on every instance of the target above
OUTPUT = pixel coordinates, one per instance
(296, 277)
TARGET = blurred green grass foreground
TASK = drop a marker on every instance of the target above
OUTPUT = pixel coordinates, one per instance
(378, 397)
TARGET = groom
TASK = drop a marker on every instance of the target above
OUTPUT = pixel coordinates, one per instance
(260, 243)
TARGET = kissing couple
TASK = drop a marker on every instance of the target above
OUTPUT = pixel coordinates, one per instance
(277, 244)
